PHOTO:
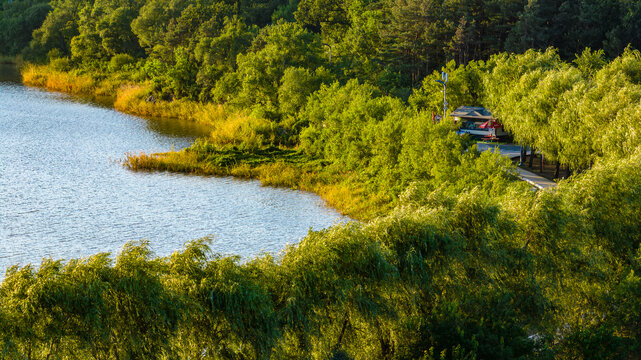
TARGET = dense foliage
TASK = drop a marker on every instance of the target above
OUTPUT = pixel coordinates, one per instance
(575, 113)
(191, 48)
(462, 276)
(459, 261)
(18, 19)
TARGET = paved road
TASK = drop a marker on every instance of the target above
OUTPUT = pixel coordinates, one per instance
(536, 180)
(505, 150)
(512, 151)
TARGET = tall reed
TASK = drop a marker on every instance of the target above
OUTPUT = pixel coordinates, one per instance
(138, 100)
(180, 161)
(228, 127)
(69, 82)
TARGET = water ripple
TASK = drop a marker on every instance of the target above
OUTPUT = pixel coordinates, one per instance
(63, 196)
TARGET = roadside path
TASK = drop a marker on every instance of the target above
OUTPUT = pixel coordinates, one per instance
(511, 151)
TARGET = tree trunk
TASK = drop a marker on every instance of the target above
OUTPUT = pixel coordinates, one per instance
(387, 348)
(532, 154)
(342, 333)
(541, 163)
(523, 155)
(557, 169)
(50, 350)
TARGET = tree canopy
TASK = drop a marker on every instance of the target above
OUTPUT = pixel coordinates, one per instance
(460, 262)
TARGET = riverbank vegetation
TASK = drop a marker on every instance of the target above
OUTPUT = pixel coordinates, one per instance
(521, 274)
(454, 259)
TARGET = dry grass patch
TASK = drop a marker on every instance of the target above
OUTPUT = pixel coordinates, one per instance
(137, 100)
(244, 171)
(352, 201)
(280, 174)
(179, 162)
(68, 82)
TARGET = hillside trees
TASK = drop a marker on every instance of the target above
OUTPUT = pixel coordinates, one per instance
(544, 24)
(393, 45)
(104, 31)
(276, 48)
(18, 20)
(413, 36)
(571, 26)
(58, 28)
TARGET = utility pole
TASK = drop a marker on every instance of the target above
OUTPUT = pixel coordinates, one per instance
(330, 51)
(443, 82)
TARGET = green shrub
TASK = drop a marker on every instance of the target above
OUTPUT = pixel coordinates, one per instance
(61, 64)
(118, 61)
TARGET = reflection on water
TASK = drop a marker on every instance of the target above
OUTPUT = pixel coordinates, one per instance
(171, 127)
(9, 73)
(64, 194)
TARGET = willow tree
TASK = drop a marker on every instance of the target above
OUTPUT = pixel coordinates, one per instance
(541, 104)
(509, 81)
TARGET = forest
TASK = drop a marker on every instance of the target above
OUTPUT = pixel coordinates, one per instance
(452, 258)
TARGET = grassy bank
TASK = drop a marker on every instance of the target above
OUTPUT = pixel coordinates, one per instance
(128, 97)
(228, 127)
(241, 140)
(273, 167)
(68, 82)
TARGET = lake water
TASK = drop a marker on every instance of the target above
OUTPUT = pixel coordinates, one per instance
(64, 193)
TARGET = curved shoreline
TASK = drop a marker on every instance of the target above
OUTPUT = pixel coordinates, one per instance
(340, 191)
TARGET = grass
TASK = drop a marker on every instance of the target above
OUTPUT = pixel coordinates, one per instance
(208, 159)
(182, 162)
(272, 167)
(135, 99)
(127, 97)
(227, 127)
(68, 82)
(243, 136)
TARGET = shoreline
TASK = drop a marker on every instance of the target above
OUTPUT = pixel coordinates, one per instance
(11, 60)
(272, 166)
